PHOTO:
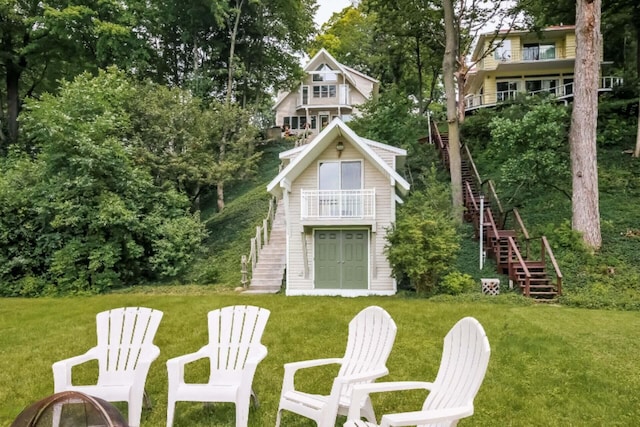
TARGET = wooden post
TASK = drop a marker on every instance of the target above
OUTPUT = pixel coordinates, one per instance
(244, 279)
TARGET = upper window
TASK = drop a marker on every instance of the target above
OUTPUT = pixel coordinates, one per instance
(346, 175)
(502, 50)
(324, 91)
(325, 74)
(538, 51)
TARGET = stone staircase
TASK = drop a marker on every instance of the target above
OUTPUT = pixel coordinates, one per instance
(269, 272)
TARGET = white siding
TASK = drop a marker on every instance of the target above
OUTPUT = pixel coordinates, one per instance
(380, 278)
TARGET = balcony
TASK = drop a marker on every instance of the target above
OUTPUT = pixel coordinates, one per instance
(561, 92)
(338, 204)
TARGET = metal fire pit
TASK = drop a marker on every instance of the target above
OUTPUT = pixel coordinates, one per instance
(70, 409)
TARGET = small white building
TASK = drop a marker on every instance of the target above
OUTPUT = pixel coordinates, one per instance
(340, 193)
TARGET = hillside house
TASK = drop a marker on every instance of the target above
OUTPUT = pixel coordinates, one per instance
(328, 90)
(525, 62)
(339, 195)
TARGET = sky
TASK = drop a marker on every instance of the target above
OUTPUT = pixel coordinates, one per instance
(326, 8)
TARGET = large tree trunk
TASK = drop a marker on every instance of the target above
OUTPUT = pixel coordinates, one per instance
(461, 79)
(582, 137)
(232, 50)
(448, 69)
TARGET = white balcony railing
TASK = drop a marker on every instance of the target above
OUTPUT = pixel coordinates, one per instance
(561, 91)
(338, 204)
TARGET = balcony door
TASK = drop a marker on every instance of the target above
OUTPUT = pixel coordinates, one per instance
(341, 259)
(339, 183)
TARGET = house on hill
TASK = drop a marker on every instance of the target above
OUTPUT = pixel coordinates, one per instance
(339, 195)
(328, 90)
(524, 62)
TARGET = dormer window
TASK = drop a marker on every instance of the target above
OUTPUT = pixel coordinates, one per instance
(324, 73)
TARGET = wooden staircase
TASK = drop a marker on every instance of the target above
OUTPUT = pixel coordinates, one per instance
(504, 246)
(268, 273)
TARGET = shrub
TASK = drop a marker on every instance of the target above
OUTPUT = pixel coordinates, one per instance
(423, 243)
(80, 215)
(456, 283)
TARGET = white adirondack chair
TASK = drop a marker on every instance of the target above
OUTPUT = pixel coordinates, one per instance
(371, 336)
(124, 353)
(234, 351)
(464, 363)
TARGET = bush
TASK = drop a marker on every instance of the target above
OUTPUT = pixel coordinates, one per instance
(423, 243)
(456, 283)
(80, 216)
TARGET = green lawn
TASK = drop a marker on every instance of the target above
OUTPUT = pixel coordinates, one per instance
(550, 365)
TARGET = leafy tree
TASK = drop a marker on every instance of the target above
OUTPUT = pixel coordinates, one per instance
(90, 219)
(417, 26)
(423, 243)
(43, 42)
(232, 137)
(393, 119)
(530, 147)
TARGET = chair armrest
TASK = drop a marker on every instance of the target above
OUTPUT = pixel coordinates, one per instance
(62, 369)
(361, 392)
(257, 356)
(290, 370)
(175, 366)
(426, 417)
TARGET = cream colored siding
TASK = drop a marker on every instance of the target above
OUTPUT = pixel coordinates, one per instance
(380, 279)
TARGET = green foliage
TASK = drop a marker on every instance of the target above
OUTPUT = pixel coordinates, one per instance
(456, 283)
(84, 218)
(532, 150)
(423, 243)
(617, 132)
(475, 130)
(392, 119)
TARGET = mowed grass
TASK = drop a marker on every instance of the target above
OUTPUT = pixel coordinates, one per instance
(550, 365)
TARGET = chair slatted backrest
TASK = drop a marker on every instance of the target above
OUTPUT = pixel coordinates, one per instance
(371, 336)
(233, 332)
(465, 358)
(124, 334)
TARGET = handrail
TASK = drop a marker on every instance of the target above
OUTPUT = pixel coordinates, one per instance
(546, 247)
(438, 141)
(492, 188)
(523, 265)
(523, 229)
(260, 239)
(488, 217)
(469, 192)
(473, 166)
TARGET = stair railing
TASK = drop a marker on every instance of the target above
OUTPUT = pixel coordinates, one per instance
(492, 236)
(521, 226)
(476, 175)
(514, 252)
(493, 196)
(258, 242)
(437, 140)
(470, 204)
(546, 249)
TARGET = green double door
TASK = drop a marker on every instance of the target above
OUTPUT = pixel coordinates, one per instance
(341, 259)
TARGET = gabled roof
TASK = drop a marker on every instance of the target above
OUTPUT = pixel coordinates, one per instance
(324, 57)
(310, 152)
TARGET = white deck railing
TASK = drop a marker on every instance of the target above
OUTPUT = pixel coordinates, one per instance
(562, 91)
(338, 204)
